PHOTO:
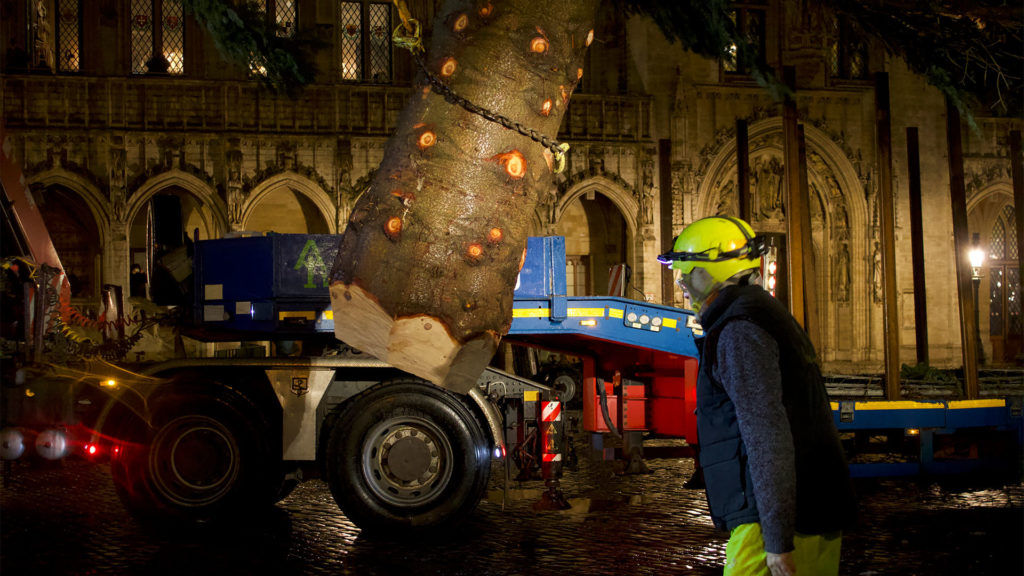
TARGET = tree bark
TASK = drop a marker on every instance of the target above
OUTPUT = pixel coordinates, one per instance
(428, 262)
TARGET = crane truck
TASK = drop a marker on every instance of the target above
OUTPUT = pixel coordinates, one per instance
(266, 396)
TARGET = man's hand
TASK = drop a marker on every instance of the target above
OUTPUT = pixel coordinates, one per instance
(781, 564)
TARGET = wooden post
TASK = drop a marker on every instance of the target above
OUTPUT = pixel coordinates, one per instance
(958, 198)
(917, 245)
(887, 218)
(665, 182)
(743, 169)
(794, 203)
(810, 277)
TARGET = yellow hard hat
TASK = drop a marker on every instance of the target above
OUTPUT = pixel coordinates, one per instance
(722, 245)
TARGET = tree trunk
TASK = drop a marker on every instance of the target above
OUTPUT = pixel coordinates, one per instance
(429, 260)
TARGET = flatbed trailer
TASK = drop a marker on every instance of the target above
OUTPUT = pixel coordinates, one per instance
(198, 438)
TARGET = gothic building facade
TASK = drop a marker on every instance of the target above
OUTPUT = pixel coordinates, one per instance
(111, 105)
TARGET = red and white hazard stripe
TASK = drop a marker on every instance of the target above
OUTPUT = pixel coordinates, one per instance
(552, 457)
(550, 411)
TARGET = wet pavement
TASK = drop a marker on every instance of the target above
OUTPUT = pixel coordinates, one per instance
(66, 519)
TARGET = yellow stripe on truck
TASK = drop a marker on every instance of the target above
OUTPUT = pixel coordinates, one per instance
(989, 403)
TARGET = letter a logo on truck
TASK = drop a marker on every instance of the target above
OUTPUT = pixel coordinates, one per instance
(311, 260)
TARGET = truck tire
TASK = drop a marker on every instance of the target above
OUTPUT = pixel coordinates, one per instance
(204, 457)
(406, 457)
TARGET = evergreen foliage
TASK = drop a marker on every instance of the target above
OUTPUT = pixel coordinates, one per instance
(246, 37)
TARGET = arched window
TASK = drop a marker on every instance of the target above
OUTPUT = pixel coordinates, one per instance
(1005, 320)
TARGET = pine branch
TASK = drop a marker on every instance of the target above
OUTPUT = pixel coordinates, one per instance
(246, 37)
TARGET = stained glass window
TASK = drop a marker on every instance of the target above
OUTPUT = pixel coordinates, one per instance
(995, 301)
(380, 43)
(174, 35)
(847, 51)
(997, 242)
(1005, 318)
(351, 23)
(751, 23)
(284, 17)
(1009, 219)
(141, 35)
(69, 15)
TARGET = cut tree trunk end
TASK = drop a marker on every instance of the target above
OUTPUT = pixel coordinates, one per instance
(428, 262)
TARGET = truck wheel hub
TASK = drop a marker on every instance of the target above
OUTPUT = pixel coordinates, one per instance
(408, 461)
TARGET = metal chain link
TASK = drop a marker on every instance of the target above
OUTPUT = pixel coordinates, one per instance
(558, 149)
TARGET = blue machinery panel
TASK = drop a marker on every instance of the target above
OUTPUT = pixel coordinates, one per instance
(541, 307)
(276, 283)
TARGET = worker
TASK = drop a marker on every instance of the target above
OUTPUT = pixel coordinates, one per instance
(775, 472)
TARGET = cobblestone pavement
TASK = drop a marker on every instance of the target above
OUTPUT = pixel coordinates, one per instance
(66, 519)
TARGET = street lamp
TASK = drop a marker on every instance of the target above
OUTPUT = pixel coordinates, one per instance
(977, 258)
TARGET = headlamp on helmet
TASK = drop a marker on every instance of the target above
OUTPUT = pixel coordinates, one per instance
(722, 245)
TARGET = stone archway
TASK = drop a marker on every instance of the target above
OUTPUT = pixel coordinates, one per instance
(625, 203)
(298, 184)
(841, 226)
(82, 242)
(98, 204)
(212, 212)
(1000, 284)
(208, 211)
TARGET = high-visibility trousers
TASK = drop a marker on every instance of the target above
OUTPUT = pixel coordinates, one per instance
(816, 554)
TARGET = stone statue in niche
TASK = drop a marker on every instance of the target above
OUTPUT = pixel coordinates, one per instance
(842, 273)
(766, 181)
(234, 187)
(646, 198)
(595, 160)
(727, 200)
(42, 51)
(876, 273)
(118, 183)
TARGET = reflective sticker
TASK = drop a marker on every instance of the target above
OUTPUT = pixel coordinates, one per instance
(615, 313)
(531, 312)
(213, 291)
(577, 312)
(550, 411)
(990, 403)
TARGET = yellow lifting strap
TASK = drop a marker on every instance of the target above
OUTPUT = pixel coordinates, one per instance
(407, 35)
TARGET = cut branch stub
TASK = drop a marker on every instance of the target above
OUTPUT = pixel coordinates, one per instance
(425, 282)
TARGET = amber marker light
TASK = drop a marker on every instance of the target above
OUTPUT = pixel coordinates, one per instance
(460, 23)
(539, 45)
(474, 251)
(590, 36)
(495, 235)
(545, 108)
(579, 73)
(448, 67)
(486, 10)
